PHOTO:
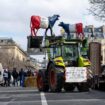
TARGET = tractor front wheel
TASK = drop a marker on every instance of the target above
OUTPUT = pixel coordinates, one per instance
(56, 78)
(41, 82)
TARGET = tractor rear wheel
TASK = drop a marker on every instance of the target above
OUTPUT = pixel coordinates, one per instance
(56, 78)
(68, 87)
(41, 82)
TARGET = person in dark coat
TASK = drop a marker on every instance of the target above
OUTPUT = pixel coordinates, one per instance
(5, 76)
(15, 76)
(9, 77)
(29, 73)
(22, 77)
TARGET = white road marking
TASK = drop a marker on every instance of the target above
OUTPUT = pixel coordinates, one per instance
(43, 99)
(26, 95)
(77, 100)
(11, 91)
(44, 102)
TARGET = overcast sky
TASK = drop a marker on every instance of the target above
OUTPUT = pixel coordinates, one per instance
(15, 16)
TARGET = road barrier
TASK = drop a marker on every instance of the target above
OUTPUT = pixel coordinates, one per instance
(30, 81)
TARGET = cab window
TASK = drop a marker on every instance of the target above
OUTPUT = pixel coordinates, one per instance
(57, 51)
(70, 52)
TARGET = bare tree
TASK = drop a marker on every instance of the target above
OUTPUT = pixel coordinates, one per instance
(97, 9)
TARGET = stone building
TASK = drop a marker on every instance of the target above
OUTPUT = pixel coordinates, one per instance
(97, 32)
(89, 31)
(12, 55)
(32, 64)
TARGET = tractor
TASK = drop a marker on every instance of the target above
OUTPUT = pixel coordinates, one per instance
(67, 65)
(66, 68)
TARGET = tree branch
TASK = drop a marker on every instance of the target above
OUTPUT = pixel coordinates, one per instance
(97, 8)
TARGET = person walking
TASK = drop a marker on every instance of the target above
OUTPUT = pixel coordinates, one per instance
(15, 76)
(9, 77)
(5, 76)
(22, 77)
(29, 73)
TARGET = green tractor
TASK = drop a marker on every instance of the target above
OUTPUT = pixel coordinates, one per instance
(66, 68)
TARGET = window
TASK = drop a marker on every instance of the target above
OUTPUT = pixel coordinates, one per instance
(100, 30)
(57, 51)
(1, 41)
(90, 30)
(84, 52)
(70, 52)
(51, 52)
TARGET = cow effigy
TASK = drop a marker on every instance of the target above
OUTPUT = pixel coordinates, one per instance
(38, 22)
(73, 28)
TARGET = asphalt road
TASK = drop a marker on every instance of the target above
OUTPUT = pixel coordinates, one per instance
(30, 96)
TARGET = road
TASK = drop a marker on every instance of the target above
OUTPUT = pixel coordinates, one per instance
(30, 96)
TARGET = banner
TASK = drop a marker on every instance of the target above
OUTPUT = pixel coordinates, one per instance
(76, 74)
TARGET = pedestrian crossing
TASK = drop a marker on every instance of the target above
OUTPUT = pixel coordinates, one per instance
(19, 96)
(31, 96)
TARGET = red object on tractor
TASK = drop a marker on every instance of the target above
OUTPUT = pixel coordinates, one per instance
(35, 24)
(79, 29)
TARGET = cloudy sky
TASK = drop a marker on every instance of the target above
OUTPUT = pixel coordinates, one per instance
(15, 16)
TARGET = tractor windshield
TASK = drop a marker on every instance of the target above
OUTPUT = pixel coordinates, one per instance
(70, 52)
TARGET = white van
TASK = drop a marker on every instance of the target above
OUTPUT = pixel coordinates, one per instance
(1, 74)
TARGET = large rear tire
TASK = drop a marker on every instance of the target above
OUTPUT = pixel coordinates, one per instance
(56, 78)
(42, 85)
(83, 87)
(68, 87)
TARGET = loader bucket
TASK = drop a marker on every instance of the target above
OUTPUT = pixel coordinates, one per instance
(34, 41)
(34, 45)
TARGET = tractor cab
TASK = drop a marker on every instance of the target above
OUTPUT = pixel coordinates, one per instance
(70, 54)
(69, 51)
(74, 52)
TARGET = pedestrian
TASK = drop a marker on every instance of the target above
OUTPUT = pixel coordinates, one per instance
(29, 73)
(22, 77)
(9, 77)
(5, 76)
(15, 76)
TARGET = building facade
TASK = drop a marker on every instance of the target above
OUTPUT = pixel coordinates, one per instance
(12, 55)
(97, 32)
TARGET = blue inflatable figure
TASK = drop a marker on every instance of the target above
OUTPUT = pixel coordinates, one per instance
(52, 21)
(66, 28)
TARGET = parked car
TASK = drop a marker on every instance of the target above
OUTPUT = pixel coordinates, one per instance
(1, 75)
